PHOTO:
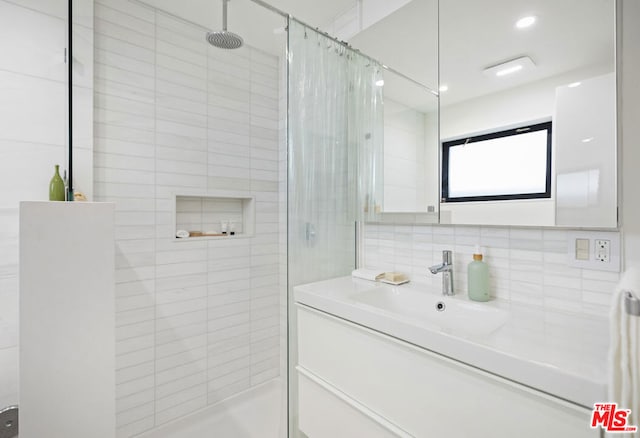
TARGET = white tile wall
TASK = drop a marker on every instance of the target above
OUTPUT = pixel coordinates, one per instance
(527, 265)
(33, 135)
(197, 321)
(404, 158)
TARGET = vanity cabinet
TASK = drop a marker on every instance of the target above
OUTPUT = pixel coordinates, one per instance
(356, 382)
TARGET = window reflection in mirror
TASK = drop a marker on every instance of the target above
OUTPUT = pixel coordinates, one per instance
(504, 165)
(518, 62)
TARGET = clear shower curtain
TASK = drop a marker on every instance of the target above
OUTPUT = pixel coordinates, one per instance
(335, 147)
(335, 153)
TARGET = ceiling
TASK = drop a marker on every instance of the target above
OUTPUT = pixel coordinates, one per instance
(569, 35)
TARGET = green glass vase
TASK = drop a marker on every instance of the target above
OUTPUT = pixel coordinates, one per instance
(56, 186)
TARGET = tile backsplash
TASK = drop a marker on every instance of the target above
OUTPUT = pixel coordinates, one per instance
(526, 265)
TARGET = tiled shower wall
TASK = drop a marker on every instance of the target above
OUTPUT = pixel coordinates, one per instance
(199, 320)
(526, 265)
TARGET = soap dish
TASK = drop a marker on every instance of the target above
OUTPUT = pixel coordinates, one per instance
(395, 283)
(395, 278)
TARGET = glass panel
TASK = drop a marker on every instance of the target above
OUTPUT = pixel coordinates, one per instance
(335, 163)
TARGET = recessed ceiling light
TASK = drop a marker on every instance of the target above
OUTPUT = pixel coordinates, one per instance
(587, 140)
(443, 88)
(574, 84)
(525, 22)
(509, 67)
(380, 82)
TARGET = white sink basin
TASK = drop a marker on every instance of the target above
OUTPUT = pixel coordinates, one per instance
(454, 314)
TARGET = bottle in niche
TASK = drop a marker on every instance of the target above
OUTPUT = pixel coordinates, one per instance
(478, 277)
(56, 186)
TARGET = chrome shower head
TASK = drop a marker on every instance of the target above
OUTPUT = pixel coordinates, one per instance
(224, 39)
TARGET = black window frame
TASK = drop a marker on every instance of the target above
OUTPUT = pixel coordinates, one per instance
(447, 145)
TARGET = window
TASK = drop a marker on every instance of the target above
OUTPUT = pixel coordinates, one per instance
(510, 164)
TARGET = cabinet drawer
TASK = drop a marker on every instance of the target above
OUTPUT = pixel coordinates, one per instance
(424, 393)
(326, 413)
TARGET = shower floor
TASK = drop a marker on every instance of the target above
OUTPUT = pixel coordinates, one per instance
(256, 413)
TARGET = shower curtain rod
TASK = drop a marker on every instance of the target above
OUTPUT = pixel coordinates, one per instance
(345, 44)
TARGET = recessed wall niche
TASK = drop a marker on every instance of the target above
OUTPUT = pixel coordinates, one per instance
(209, 216)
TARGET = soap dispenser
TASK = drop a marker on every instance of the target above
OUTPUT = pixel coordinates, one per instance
(478, 278)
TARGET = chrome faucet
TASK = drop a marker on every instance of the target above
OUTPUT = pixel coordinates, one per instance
(446, 268)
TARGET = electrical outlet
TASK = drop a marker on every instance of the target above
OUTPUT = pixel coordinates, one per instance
(598, 250)
(603, 250)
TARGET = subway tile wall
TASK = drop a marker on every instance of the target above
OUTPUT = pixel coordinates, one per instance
(527, 265)
(197, 321)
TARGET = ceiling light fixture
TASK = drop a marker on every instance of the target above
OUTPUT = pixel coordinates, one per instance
(525, 22)
(574, 84)
(587, 140)
(509, 70)
(443, 88)
(510, 67)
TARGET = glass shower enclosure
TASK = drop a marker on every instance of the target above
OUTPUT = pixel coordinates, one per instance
(335, 141)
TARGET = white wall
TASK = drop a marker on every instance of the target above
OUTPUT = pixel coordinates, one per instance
(197, 321)
(514, 106)
(404, 158)
(33, 134)
(585, 158)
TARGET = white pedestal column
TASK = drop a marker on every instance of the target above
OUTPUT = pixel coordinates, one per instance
(67, 328)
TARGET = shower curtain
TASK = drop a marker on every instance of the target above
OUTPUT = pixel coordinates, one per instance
(335, 150)
(335, 153)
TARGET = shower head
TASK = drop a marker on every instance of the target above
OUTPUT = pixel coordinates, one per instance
(224, 39)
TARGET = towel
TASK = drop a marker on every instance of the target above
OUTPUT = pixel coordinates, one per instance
(367, 274)
(624, 350)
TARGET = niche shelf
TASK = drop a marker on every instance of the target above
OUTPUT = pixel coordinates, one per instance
(205, 214)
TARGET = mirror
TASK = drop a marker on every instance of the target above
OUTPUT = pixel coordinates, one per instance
(406, 40)
(410, 143)
(498, 75)
(508, 65)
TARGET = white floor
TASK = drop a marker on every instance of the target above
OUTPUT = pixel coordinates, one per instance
(257, 413)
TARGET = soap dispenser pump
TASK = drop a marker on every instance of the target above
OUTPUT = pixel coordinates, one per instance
(478, 277)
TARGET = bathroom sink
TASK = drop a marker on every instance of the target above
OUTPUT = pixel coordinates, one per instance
(451, 314)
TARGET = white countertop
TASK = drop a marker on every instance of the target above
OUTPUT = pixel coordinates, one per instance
(559, 353)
